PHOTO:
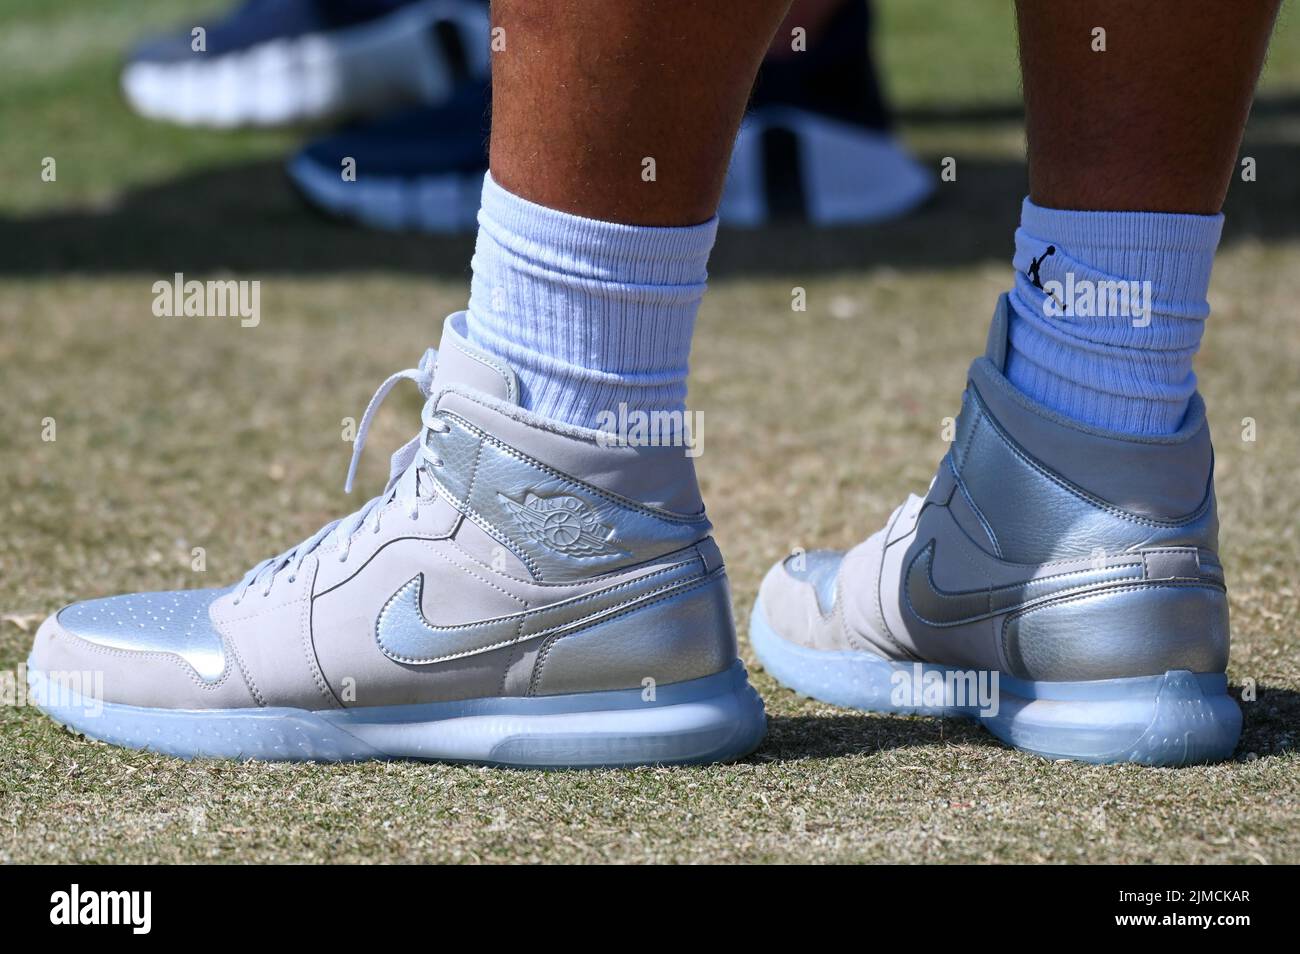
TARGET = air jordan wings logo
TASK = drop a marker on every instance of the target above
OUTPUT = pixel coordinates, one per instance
(565, 524)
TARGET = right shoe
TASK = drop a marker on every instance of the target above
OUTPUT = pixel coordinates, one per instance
(276, 62)
(1058, 583)
(523, 593)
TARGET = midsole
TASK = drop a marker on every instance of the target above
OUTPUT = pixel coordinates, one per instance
(712, 719)
(366, 66)
(281, 58)
(1175, 718)
(1104, 690)
(1120, 689)
(610, 700)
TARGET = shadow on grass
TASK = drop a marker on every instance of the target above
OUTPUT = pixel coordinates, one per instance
(791, 738)
(1271, 723)
(247, 219)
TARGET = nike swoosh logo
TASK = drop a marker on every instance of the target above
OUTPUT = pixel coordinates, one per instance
(406, 636)
(939, 608)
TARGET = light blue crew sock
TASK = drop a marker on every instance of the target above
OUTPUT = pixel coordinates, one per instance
(1108, 311)
(591, 315)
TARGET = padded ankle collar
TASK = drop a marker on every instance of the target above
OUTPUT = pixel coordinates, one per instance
(484, 391)
(1162, 476)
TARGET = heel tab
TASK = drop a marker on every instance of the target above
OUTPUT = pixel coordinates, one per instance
(1167, 478)
(995, 349)
(710, 554)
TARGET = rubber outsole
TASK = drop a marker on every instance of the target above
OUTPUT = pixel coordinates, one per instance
(1178, 718)
(718, 718)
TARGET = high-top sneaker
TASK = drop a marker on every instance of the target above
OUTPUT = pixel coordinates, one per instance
(523, 593)
(1058, 582)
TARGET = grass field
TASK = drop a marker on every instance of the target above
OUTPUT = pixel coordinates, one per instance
(177, 434)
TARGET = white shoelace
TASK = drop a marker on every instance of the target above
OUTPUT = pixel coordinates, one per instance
(403, 484)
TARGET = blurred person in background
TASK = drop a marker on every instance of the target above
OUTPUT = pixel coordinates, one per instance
(817, 144)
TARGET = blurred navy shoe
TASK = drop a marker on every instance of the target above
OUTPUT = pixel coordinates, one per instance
(419, 170)
(817, 146)
(801, 165)
(272, 62)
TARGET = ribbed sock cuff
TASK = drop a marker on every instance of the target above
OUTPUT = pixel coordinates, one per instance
(1107, 333)
(590, 314)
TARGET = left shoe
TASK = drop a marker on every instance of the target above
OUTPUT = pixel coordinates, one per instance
(523, 593)
(803, 165)
(278, 62)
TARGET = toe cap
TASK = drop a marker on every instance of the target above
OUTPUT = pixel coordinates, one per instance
(144, 649)
(818, 569)
(798, 599)
(176, 622)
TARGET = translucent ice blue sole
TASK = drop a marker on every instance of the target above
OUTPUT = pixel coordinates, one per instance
(1178, 718)
(715, 719)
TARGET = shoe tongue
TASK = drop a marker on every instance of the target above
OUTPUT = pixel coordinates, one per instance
(463, 366)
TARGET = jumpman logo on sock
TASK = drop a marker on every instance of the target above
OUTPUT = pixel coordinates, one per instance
(1037, 263)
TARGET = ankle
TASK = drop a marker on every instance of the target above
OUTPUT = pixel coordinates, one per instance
(591, 315)
(1107, 313)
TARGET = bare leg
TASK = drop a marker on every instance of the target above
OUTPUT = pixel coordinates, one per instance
(586, 90)
(1154, 122)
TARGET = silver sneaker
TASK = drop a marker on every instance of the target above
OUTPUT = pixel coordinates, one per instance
(1059, 583)
(523, 593)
